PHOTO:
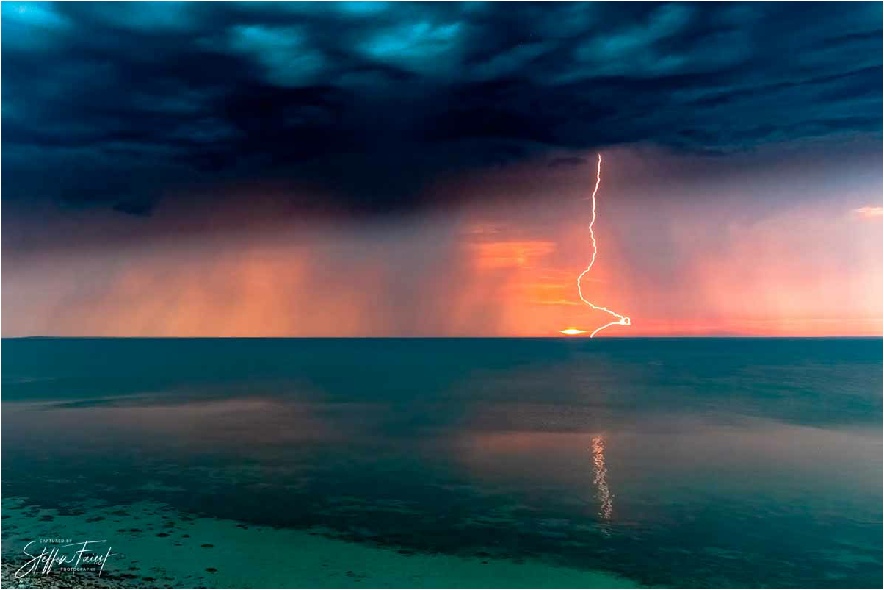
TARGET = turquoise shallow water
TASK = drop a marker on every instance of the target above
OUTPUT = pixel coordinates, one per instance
(667, 462)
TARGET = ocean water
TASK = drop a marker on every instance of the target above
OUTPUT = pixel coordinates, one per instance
(450, 462)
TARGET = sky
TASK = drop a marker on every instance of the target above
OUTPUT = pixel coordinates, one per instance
(426, 169)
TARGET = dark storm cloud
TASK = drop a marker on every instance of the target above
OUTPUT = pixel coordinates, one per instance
(124, 103)
(567, 162)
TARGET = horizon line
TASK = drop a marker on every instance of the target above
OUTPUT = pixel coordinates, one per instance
(661, 337)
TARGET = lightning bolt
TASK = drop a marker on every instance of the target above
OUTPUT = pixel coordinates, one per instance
(619, 320)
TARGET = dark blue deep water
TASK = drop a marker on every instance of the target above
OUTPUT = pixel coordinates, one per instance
(671, 462)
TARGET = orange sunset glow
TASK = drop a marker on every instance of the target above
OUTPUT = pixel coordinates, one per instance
(507, 268)
(573, 331)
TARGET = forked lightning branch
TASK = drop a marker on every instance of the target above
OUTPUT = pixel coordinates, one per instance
(619, 320)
